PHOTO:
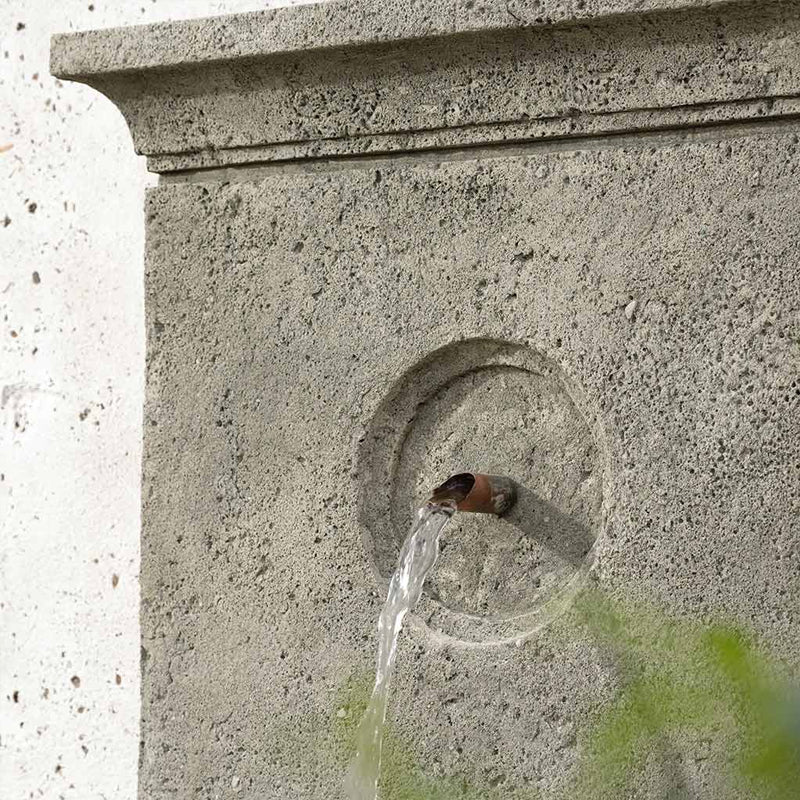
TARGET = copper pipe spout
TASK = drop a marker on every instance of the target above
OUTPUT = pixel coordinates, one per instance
(478, 493)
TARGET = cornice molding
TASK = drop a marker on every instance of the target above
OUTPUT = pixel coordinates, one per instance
(358, 77)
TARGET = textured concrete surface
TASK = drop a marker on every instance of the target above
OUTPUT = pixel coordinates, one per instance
(658, 277)
(612, 321)
(515, 83)
(341, 23)
(495, 580)
(71, 390)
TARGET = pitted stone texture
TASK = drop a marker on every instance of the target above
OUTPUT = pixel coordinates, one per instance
(474, 84)
(523, 423)
(283, 311)
(336, 23)
(186, 166)
(499, 408)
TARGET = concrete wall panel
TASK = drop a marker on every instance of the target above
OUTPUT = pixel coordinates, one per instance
(561, 247)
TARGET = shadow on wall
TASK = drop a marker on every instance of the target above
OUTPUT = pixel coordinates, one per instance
(544, 522)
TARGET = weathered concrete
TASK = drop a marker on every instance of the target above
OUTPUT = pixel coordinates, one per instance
(335, 24)
(71, 394)
(611, 320)
(510, 83)
(299, 300)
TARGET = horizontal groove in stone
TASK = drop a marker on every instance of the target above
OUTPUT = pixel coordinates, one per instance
(656, 137)
(565, 128)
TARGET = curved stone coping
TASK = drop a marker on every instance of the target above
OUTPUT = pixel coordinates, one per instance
(350, 77)
(336, 23)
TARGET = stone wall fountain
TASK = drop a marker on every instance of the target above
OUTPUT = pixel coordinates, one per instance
(395, 241)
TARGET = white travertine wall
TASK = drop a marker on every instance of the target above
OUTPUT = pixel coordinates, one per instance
(71, 378)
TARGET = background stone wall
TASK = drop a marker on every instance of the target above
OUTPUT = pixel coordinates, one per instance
(71, 377)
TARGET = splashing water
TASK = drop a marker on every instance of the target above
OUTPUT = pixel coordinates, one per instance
(416, 560)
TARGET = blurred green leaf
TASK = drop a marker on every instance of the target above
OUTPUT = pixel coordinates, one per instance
(682, 678)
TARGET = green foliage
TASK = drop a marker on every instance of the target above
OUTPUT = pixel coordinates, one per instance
(682, 679)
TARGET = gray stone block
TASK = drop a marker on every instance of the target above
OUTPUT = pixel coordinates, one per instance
(612, 320)
(264, 99)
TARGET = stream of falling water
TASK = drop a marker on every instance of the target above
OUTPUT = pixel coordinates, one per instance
(417, 558)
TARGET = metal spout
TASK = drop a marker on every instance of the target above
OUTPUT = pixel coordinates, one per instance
(477, 493)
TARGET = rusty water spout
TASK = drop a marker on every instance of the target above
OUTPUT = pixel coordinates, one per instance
(478, 493)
